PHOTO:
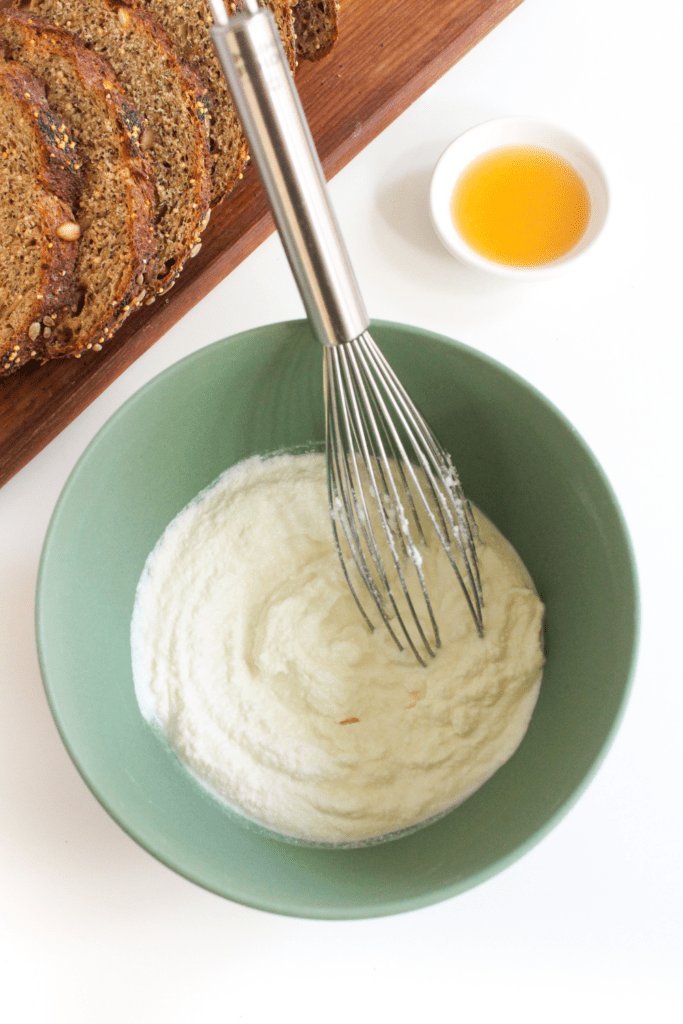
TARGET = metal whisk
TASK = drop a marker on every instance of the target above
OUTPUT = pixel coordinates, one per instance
(392, 487)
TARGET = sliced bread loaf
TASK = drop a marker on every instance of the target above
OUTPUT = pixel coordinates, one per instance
(316, 24)
(173, 104)
(187, 23)
(116, 254)
(39, 184)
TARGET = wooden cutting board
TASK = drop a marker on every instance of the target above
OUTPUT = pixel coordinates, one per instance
(388, 53)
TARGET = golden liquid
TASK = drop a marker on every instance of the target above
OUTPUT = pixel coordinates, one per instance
(521, 206)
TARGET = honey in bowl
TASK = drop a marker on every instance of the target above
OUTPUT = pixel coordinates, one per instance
(522, 206)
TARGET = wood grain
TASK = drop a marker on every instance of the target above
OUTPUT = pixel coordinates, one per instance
(388, 53)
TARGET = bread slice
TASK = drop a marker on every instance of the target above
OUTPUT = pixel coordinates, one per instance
(116, 254)
(282, 12)
(39, 183)
(173, 103)
(316, 25)
(187, 23)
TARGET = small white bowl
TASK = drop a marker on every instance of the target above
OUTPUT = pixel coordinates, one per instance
(514, 131)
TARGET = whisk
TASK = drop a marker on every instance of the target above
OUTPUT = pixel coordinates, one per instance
(392, 488)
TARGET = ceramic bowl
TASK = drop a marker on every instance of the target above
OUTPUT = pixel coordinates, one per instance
(519, 461)
(513, 131)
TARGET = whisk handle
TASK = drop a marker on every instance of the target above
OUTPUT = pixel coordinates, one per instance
(249, 49)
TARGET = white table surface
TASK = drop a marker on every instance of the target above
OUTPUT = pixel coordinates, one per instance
(587, 926)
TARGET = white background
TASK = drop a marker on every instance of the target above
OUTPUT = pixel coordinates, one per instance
(587, 926)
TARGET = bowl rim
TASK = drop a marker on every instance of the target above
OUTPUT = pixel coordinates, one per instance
(284, 907)
(513, 130)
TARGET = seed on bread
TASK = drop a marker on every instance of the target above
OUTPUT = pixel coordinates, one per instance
(69, 231)
(147, 140)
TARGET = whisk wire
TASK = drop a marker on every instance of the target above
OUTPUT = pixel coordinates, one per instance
(355, 477)
(416, 430)
(337, 483)
(376, 461)
(407, 416)
(396, 461)
(380, 438)
(445, 470)
(352, 515)
(350, 480)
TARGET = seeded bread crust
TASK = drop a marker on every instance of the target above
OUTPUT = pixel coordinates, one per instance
(38, 160)
(316, 24)
(117, 250)
(174, 105)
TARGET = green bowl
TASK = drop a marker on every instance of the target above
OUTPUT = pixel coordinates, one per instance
(519, 461)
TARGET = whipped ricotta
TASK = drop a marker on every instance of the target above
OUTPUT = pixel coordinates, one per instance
(249, 652)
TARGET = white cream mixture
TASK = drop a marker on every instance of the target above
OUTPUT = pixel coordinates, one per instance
(249, 652)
